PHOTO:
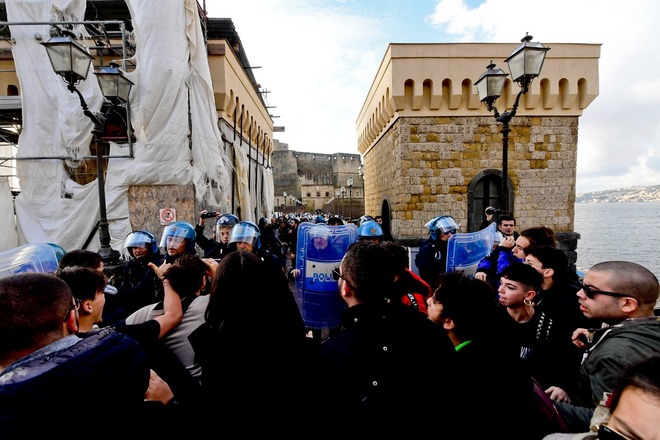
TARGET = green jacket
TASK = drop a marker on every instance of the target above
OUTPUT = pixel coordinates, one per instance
(613, 350)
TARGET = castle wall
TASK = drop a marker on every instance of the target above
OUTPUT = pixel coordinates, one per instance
(424, 166)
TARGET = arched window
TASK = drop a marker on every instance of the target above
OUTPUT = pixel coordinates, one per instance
(484, 191)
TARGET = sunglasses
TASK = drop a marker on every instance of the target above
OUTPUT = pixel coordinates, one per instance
(336, 275)
(451, 231)
(607, 433)
(591, 293)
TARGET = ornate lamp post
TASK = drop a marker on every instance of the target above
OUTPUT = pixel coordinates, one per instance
(349, 184)
(361, 174)
(72, 61)
(343, 190)
(525, 64)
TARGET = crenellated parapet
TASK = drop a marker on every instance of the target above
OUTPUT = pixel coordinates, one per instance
(438, 80)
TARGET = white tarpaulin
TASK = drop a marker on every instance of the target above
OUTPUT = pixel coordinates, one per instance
(9, 237)
(172, 112)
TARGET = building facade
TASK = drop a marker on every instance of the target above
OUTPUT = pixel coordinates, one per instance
(307, 182)
(205, 145)
(430, 147)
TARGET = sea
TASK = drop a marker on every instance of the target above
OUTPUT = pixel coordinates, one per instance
(625, 231)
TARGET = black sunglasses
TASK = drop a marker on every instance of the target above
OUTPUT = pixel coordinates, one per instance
(591, 293)
(336, 275)
(607, 433)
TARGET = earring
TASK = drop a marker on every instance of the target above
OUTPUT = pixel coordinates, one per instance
(527, 302)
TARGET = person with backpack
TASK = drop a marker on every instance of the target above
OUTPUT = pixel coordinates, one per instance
(410, 289)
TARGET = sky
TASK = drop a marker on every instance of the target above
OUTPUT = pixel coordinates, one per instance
(318, 58)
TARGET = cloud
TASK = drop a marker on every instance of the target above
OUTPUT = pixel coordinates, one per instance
(319, 58)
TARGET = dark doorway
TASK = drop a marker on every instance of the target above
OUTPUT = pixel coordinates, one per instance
(484, 191)
(387, 220)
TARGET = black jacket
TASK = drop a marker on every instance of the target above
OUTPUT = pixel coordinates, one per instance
(431, 260)
(387, 365)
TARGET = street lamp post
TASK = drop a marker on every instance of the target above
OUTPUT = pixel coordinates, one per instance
(361, 174)
(343, 212)
(284, 202)
(525, 64)
(72, 61)
(349, 184)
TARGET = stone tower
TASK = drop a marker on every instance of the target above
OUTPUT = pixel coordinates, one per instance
(430, 147)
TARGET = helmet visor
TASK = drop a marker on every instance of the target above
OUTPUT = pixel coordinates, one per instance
(139, 239)
(173, 236)
(446, 225)
(243, 233)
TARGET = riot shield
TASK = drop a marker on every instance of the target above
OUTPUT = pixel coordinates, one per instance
(321, 248)
(466, 250)
(31, 257)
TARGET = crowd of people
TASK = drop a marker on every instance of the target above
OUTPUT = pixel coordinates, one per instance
(199, 333)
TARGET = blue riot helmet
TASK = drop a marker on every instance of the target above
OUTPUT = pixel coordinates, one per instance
(246, 232)
(370, 230)
(59, 251)
(365, 218)
(142, 239)
(225, 222)
(175, 233)
(319, 219)
(444, 223)
(320, 231)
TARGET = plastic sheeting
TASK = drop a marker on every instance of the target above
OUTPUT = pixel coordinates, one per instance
(173, 115)
(9, 237)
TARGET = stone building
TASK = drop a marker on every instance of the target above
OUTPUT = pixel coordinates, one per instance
(306, 182)
(206, 145)
(430, 147)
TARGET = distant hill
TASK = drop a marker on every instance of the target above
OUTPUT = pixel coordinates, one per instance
(649, 193)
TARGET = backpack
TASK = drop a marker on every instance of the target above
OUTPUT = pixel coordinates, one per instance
(549, 416)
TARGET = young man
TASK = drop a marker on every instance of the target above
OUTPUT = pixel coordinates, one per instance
(187, 276)
(622, 294)
(217, 246)
(631, 411)
(487, 268)
(465, 308)
(87, 286)
(544, 349)
(46, 370)
(370, 370)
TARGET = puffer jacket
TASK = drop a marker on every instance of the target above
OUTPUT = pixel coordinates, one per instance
(105, 372)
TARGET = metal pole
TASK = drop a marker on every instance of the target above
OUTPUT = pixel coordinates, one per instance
(504, 119)
(505, 166)
(350, 201)
(107, 253)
